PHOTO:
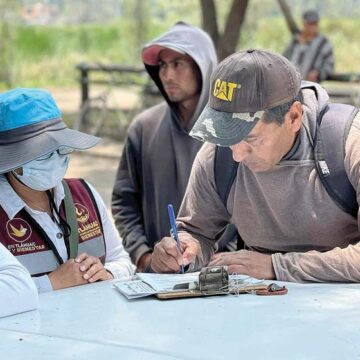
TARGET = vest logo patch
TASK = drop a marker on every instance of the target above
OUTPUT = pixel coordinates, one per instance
(82, 213)
(224, 90)
(18, 230)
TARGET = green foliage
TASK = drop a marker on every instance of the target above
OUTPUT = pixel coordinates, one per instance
(7, 12)
(47, 55)
(272, 33)
(344, 36)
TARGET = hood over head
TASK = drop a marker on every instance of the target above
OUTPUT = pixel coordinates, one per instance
(186, 39)
(316, 99)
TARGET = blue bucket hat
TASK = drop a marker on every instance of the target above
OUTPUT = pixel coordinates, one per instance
(31, 127)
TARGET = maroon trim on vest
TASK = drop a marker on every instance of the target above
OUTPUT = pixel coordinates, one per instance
(22, 236)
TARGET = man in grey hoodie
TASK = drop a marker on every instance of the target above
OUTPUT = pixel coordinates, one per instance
(158, 153)
(292, 228)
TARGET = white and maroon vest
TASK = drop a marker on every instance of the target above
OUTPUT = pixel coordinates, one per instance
(26, 240)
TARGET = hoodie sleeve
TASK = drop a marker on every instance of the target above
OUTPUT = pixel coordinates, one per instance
(323, 57)
(18, 291)
(326, 67)
(202, 215)
(126, 197)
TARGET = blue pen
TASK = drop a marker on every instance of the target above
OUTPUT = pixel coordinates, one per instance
(173, 231)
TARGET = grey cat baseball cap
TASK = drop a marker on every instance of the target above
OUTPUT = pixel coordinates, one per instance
(243, 86)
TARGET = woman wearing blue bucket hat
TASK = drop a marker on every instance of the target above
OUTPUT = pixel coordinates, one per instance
(58, 229)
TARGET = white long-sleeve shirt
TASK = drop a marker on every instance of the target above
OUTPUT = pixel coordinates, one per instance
(17, 290)
(117, 260)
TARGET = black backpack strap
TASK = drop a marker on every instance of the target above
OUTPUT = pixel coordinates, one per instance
(329, 153)
(225, 170)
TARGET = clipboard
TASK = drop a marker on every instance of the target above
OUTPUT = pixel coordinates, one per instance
(215, 281)
(210, 281)
(197, 293)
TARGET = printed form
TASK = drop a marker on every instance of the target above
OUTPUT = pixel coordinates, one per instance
(148, 284)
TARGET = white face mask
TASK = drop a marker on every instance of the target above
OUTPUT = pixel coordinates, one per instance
(44, 173)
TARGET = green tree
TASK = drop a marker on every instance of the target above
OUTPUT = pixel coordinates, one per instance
(7, 19)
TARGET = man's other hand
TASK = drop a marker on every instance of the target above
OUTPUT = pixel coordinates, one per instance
(167, 258)
(246, 262)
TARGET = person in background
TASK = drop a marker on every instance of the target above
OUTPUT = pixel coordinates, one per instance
(310, 51)
(158, 152)
(17, 291)
(58, 229)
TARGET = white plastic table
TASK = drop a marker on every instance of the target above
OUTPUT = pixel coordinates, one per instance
(313, 321)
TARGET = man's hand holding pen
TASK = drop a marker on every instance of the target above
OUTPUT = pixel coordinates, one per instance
(174, 233)
(172, 254)
(167, 258)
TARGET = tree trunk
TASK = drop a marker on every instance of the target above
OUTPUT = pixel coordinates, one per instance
(234, 22)
(225, 43)
(209, 18)
(288, 17)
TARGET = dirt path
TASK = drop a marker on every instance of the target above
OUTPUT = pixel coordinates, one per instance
(68, 98)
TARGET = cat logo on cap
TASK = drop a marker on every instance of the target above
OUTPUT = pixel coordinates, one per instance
(18, 229)
(224, 90)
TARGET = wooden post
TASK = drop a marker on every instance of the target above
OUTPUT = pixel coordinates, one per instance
(84, 82)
